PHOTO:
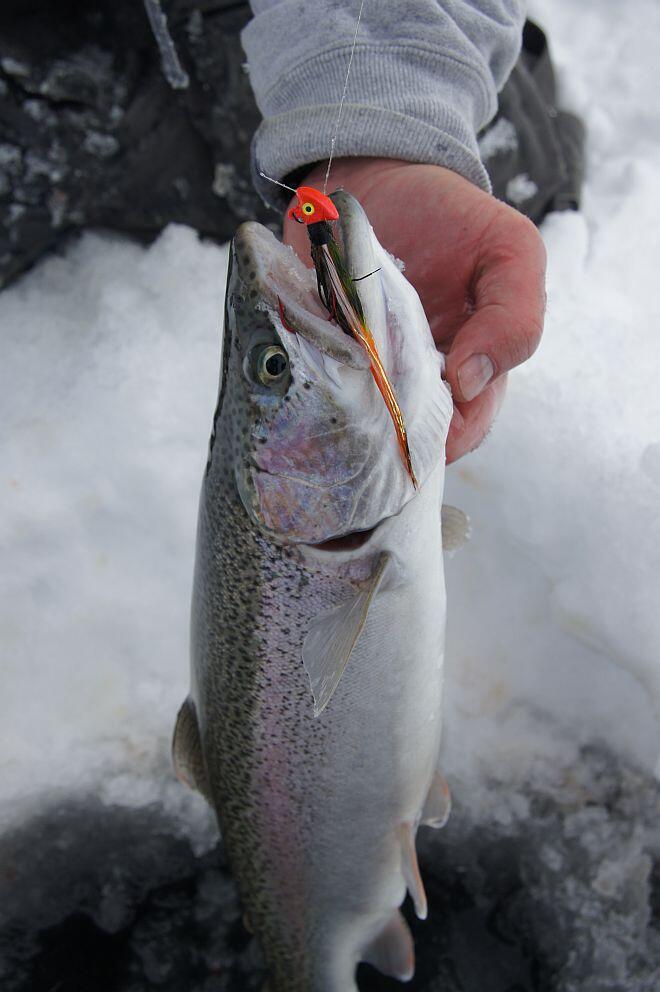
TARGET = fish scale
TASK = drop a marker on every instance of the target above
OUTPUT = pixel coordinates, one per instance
(317, 812)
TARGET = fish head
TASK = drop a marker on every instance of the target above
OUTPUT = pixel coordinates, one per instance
(309, 439)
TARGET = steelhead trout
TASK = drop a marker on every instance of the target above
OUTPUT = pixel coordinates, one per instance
(313, 720)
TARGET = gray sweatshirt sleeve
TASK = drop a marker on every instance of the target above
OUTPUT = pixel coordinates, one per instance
(423, 82)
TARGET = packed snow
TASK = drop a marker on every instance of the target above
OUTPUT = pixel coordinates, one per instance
(110, 362)
(520, 188)
(501, 137)
(554, 622)
(109, 375)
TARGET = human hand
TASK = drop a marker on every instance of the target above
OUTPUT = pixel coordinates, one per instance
(477, 264)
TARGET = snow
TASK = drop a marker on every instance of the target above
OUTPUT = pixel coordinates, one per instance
(501, 137)
(10, 157)
(109, 374)
(520, 188)
(224, 178)
(564, 562)
(108, 384)
(102, 145)
(565, 556)
(14, 68)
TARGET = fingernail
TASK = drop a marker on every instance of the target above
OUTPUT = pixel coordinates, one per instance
(475, 373)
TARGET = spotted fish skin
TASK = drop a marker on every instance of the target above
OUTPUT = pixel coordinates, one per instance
(311, 808)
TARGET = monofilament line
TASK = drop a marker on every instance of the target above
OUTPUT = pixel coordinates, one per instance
(341, 102)
(276, 181)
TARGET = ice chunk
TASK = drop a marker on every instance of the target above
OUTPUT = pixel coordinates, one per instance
(176, 76)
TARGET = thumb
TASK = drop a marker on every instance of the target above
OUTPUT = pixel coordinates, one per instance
(506, 325)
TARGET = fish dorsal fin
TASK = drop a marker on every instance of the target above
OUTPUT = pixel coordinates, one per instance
(455, 528)
(332, 637)
(411, 872)
(187, 751)
(392, 951)
(438, 803)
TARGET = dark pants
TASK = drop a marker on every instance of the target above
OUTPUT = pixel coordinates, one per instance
(534, 152)
(92, 135)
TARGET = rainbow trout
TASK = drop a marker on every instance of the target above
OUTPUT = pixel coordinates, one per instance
(313, 720)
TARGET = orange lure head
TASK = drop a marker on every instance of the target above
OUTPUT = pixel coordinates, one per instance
(313, 206)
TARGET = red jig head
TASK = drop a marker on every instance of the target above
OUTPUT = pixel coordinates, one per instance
(313, 206)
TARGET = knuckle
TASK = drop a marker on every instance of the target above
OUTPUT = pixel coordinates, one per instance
(530, 241)
(529, 338)
(527, 229)
(522, 342)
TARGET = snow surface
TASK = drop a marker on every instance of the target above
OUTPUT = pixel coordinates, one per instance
(520, 188)
(108, 384)
(110, 360)
(501, 137)
(554, 633)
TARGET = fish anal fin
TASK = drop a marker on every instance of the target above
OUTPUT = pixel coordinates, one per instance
(187, 751)
(438, 803)
(411, 872)
(456, 528)
(391, 951)
(332, 637)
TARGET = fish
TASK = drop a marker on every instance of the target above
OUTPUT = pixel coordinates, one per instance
(313, 720)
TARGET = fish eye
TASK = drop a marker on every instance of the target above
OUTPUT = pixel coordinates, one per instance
(272, 365)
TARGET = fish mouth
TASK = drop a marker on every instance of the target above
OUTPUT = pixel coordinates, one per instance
(352, 541)
(287, 287)
(272, 273)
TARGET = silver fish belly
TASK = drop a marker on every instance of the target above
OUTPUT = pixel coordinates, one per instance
(312, 546)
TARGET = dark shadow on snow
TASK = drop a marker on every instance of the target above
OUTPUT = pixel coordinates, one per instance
(108, 899)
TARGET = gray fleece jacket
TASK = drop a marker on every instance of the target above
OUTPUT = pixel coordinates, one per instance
(424, 80)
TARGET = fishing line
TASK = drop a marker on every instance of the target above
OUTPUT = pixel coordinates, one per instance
(276, 181)
(341, 102)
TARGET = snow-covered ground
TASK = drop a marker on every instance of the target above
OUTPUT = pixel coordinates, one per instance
(108, 376)
(555, 606)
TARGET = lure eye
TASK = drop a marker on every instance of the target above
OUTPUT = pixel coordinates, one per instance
(308, 209)
(272, 365)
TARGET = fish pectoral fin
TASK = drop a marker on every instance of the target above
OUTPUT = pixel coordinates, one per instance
(438, 803)
(332, 637)
(392, 951)
(411, 872)
(456, 528)
(187, 751)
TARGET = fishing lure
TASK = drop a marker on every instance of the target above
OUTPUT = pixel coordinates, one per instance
(341, 299)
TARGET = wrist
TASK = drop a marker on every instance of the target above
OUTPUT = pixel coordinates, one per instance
(358, 174)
